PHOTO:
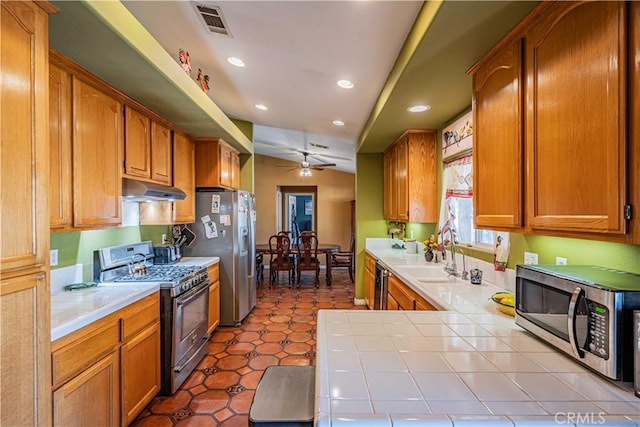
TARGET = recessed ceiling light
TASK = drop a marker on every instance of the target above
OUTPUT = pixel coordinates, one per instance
(235, 61)
(261, 107)
(338, 122)
(345, 84)
(418, 108)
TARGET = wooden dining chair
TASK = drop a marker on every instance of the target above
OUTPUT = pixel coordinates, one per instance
(307, 250)
(280, 251)
(292, 252)
(345, 259)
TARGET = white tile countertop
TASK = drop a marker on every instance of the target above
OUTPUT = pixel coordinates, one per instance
(466, 365)
(72, 310)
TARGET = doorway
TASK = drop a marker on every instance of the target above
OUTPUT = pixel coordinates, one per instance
(298, 209)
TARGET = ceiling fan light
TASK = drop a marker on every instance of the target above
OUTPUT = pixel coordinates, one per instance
(305, 172)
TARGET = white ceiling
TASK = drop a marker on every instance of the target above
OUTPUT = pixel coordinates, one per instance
(294, 51)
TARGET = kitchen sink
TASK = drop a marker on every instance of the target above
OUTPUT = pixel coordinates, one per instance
(428, 273)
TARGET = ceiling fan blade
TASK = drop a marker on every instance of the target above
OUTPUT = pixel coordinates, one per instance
(329, 156)
(323, 165)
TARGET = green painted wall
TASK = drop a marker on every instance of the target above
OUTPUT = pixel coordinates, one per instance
(77, 247)
(369, 221)
(246, 160)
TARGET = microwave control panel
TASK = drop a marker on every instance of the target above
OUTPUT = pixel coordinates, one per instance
(598, 340)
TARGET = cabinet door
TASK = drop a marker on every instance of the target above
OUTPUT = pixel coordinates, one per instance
(575, 136)
(92, 398)
(634, 119)
(214, 306)
(392, 304)
(402, 180)
(24, 161)
(140, 358)
(24, 350)
(137, 144)
(60, 187)
(388, 168)
(161, 159)
(235, 170)
(422, 304)
(498, 150)
(184, 178)
(225, 165)
(369, 288)
(422, 177)
(97, 157)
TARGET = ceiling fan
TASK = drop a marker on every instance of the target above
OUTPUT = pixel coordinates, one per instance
(306, 166)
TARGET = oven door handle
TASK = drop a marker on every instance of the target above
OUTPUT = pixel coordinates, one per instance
(571, 322)
(185, 299)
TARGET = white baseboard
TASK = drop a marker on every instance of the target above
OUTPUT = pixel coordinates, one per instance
(358, 301)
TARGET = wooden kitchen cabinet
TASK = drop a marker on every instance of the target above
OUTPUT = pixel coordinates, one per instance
(25, 328)
(140, 377)
(410, 178)
(498, 152)
(97, 157)
(60, 186)
(184, 178)
(91, 398)
(575, 119)
(570, 125)
(147, 148)
(213, 319)
(370, 281)
(113, 362)
(634, 120)
(217, 164)
(402, 297)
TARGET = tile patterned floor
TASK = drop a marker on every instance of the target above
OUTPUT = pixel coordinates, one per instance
(281, 330)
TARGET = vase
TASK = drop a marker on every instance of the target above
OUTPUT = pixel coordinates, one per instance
(428, 256)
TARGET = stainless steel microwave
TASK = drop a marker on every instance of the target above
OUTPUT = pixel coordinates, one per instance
(585, 311)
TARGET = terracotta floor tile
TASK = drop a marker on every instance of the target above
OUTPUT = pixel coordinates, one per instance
(198, 421)
(209, 402)
(232, 362)
(221, 380)
(283, 323)
(263, 362)
(241, 348)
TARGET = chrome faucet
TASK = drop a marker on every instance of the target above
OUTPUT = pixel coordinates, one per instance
(453, 268)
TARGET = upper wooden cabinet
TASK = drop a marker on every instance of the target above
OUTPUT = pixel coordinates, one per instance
(576, 110)
(217, 164)
(410, 178)
(97, 157)
(498, 154)
(60, 188)
(561, 138)
(634, 120)
(25, 370)
(184, 178)
(147, 148)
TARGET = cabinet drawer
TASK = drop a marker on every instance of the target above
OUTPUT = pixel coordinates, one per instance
(401, 294)
(137, 316)
(73, 358)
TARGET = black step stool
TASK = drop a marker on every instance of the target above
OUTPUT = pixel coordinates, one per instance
(285, 397)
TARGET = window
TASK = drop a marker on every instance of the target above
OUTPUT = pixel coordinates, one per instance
(457, 205)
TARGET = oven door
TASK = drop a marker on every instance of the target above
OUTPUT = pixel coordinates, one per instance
(574, 317)
(190, 312)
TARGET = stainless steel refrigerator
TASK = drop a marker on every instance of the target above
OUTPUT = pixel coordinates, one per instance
(225, 227)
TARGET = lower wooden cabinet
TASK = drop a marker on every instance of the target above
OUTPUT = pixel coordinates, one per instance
(402, 297)
(370, 281)
(105, 373)
(140, 377)
(214, 298)
(90, 398)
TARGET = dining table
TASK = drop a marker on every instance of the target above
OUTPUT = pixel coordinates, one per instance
(323, 248)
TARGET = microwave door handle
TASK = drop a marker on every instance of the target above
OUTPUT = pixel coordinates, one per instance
(571, 322)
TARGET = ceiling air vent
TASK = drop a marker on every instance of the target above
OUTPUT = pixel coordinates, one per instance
(211, 17)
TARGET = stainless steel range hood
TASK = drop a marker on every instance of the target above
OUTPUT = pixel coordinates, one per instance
(141, 191)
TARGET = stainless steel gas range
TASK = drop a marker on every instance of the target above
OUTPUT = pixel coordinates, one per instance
(184, 305)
